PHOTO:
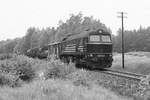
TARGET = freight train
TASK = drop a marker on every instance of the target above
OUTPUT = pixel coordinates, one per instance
(93, 49)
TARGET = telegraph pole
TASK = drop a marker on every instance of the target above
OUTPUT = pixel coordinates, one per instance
(122, 17)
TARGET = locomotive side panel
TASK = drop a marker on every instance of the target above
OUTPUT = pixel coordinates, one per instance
(73, 47)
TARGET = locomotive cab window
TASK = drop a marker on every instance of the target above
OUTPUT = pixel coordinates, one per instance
(94, 38)
(106, 38)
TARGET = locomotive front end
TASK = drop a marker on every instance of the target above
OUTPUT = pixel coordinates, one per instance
(99, 49)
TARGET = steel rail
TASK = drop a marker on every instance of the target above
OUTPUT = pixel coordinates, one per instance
(129, 75)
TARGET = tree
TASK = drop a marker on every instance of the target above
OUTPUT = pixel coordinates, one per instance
(25, 42)
(77, 24)
(135, 40)
(35, 38)
(44, 38)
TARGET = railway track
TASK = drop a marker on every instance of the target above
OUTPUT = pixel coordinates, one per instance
(128, 75)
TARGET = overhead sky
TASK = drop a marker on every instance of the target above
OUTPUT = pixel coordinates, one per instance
(16, 16)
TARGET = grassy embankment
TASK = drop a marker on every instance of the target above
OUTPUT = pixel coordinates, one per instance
(137, 62)
(22, 78)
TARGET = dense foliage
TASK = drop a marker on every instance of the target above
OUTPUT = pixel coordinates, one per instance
(8, 45)
(16, 69)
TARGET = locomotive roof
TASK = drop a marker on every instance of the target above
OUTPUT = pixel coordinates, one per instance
(84, 34)
(53, 43)
(79, 35)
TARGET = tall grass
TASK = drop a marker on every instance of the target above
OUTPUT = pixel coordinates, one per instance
(56, 90)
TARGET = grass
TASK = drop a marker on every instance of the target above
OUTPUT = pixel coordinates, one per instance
(61, 81)
(137, 62)
(56, 89)
(65, 82)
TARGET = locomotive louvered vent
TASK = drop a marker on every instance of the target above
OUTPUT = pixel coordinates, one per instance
(99, 48)
(70, 48)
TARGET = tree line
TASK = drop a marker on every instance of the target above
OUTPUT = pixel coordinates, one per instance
(135, 40)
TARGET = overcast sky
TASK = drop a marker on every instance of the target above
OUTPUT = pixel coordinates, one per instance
(16, 16)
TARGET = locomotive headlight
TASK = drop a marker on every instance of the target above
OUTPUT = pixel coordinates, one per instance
(91, 55)
(100, 31)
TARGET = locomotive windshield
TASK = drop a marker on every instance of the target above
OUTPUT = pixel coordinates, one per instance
(94, 38)
(105, 38)
(100, 38)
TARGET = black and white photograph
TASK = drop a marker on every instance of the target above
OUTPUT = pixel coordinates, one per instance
(74, 50)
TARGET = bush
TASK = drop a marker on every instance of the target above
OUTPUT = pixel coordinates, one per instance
(24, 68)
(9, 80)
(5, 56)
(60, 70)
(55, 69)
(20, 66)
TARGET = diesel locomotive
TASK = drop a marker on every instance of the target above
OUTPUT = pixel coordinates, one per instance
(91, 48)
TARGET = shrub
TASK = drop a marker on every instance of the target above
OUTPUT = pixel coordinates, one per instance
(55, 69)
(9, 80)
(5, 56)
(20, 66)
(24, 68)
(60, 70)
